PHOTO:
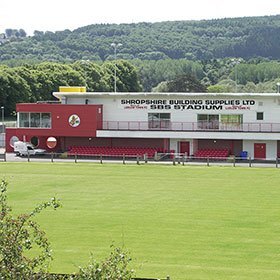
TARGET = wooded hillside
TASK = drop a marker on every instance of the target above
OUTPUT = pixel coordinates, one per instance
(196, 40)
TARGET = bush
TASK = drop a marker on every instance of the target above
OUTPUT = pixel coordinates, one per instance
(19, 235)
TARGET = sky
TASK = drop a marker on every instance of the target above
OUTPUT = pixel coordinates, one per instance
(56, 15)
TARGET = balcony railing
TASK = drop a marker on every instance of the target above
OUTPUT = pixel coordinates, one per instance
(190, 126)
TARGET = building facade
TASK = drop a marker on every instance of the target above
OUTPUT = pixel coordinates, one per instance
(178, 122)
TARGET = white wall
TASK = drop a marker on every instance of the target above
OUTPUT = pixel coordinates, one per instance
(271, 148)
(174, 144)
(113, 110)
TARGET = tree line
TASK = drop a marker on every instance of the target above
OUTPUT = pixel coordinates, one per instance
(31, 83)
(36, 82)
(247, 37)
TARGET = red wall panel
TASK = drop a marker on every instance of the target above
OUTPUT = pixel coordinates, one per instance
(90, 116)
(90, 120)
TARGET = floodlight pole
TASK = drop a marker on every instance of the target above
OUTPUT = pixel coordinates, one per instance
(2, 111)
(115, 46)
(278, 87)
(85, 62)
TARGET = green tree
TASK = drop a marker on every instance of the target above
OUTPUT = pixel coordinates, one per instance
(126, 76)
(217, 89)
(19, 235)
(13, 89)
(185, 83)
(114, 267)
(25, 249)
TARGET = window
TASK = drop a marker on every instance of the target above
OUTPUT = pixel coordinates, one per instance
(23, 119)
(205, 121)
(159, 120)
(232, 119)
(45, 120)
(35, 120)
(13, 140)
(231, 122)
(35, 141)
(260, 116)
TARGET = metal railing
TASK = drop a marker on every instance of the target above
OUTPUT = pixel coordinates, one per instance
(191, 126)
(159, 158)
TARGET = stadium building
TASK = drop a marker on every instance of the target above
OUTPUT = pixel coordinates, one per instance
(198, 124)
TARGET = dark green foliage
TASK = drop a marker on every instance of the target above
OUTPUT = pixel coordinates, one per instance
(31, 83)
(206, 39)
(185, 83)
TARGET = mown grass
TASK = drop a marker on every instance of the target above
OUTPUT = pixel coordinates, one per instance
(186, 222)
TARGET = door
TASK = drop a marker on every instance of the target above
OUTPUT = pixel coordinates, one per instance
(185, 148)
(259, 150)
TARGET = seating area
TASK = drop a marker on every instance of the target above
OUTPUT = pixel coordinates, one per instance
(111, 151)
(212, 153)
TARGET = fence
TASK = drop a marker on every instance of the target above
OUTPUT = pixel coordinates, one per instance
(167, 158)
(191, 126)
(60, 276)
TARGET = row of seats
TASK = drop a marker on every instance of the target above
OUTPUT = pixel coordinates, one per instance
(217, 153)
(111, 151)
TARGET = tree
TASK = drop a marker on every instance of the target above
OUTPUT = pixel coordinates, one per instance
(217, 89)
(21, 238)
(126, 74)
(19, 235)
(114, 267)
(185, 83)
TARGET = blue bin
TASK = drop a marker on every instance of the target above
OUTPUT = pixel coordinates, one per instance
(244, 154)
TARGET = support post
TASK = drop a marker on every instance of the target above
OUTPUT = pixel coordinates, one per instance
(276, 162)
(208, 163)
(233, 161)
(101, 161)
(123, 159)
(75, 157)
(174, 160)
(250, 162)
(5, 158)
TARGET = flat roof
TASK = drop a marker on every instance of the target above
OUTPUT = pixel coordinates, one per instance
(161, 94)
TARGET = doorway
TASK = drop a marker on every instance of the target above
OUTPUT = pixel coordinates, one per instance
(259, 150)
(184, 147)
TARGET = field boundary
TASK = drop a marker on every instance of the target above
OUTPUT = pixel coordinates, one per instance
(171, 159)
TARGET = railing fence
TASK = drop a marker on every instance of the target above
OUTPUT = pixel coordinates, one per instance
(159, 158)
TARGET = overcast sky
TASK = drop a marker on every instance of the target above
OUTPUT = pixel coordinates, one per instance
(55, 15)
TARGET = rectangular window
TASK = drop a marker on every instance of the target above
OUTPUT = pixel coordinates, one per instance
(46, 120)
(260, 116)
(159, 120)
(23, 119)
(232, 119)
(231, 122)
(34, 120)
(205, 121)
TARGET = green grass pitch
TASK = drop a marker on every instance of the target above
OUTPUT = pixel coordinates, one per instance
(182, 221)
